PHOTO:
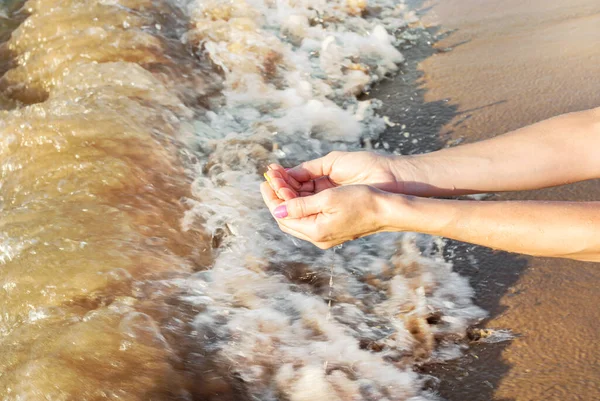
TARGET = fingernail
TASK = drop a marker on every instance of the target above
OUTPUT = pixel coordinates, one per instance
(267, 177)
(287, 169)
(280, 212)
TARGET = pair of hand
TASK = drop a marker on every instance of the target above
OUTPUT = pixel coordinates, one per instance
(333, 199)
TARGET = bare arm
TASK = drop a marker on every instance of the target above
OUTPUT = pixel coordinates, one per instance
(557, 151)
(554, 229)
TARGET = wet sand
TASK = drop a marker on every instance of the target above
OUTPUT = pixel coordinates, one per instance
(504, 65)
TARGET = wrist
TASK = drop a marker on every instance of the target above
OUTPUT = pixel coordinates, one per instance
(417, 214)
(412, 174)
(397, 212)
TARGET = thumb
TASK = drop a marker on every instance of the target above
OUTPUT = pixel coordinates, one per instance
(316, 168)
(300, 207)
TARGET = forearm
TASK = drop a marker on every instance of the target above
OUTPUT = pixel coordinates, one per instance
(554, 229)
(554, 152)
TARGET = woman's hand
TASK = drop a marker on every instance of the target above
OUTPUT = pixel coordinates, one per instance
(337, 169)
(331, 217)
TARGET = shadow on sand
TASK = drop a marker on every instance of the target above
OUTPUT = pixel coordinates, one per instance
(492, 274)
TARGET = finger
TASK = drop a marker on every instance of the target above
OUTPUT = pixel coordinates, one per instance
(302, 207)
(323, 183)
(295, 233)
(314, 169)
(272, 201)
(321, 245)
(305, 228)
(276, 171)
(307, 186)
(275, 166)
(275, 179)
(289, 179)
(316, 186)
(286, 194)
(269, 196)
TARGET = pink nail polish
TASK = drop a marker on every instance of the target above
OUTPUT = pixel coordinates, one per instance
(280, 212)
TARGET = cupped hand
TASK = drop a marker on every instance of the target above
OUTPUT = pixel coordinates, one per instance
(337, 169)
(329, 217)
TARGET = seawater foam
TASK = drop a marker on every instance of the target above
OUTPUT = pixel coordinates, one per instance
(292, 70)
(123, 277)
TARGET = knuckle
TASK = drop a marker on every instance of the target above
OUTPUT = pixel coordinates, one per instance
(292, 207)
(301, 207)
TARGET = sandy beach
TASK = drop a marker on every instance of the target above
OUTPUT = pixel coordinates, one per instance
(503, 65)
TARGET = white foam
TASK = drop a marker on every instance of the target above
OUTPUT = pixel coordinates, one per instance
(291, 71)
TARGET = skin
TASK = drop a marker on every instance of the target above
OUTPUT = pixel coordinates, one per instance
(347, 195)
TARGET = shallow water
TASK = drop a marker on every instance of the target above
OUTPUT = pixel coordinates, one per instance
(137, 260)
